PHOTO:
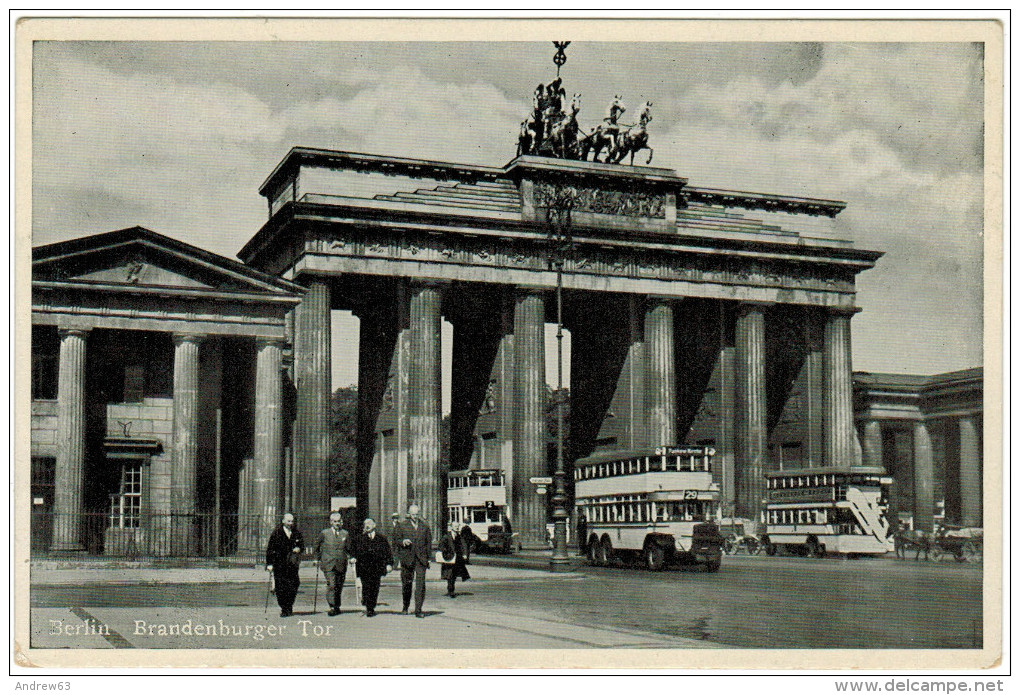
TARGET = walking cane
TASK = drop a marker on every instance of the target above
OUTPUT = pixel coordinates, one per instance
(269, 590)
(315, 599)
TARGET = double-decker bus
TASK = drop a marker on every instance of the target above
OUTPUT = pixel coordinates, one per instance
(478, 498)
(815, 511)
(654, 502)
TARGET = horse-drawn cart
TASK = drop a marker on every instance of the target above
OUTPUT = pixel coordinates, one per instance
(964, 544)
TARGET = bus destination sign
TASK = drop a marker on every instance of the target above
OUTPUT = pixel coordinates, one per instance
(683, 451)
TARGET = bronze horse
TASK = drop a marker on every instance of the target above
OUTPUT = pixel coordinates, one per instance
(563, 134)
(633, 139)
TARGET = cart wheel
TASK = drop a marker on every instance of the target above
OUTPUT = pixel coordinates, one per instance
(769, 547)
(753, 548)
(728, 546)
(972, 552)
(935, 553)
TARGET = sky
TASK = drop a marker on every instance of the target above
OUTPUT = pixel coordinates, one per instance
(178, 136)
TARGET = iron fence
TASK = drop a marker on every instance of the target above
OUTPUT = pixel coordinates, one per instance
(150, 536)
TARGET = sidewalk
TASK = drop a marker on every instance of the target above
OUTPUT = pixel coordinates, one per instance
(446, 626)
(450, 623)
(48, 573)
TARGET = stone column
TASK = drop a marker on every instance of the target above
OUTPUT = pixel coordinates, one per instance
(528, 509)
(428, 485)
(872, 444)
(70, 464)
(636, 368)
(750, 409)
(313, 381)
(660, 374)
(184, 458)
(924, 483)
(265, 483)
(838, 416)
(970, 473)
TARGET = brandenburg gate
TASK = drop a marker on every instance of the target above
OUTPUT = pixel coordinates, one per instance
(696, 316)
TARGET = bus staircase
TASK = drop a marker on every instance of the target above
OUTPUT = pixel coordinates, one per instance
(868, 512)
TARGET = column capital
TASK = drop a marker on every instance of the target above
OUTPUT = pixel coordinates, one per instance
(261, 342)
(652, 301)
(745, 306)
(195, 338)
(520, 292)
(430, 284)
(848, 311)
(65, 332)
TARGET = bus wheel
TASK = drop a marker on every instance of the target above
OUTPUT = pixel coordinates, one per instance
(655, 557)
(769, 546)
(607, 551)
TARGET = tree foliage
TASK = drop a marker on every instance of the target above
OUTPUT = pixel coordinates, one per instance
(343, 422)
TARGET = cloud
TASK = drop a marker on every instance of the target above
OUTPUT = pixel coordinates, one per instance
(894, 130)
(192, 154)
(138, 135)
(406, 112)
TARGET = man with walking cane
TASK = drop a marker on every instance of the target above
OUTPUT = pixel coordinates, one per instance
(283, 557)
(331, 551)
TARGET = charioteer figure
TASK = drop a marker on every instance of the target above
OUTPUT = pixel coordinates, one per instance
(611, 123)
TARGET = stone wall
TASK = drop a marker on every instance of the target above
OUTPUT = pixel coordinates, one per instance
(44, 428)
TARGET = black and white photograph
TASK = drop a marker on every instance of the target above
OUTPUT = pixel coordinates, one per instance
(598, 344)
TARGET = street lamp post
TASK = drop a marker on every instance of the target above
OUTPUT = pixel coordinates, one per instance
(558, 220)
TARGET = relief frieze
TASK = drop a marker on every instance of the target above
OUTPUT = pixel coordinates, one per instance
(593, 261)
(602, 201)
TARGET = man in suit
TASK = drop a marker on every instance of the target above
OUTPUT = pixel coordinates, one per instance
(413, 543)
(374, 559)
(331, 553)
(283, 557)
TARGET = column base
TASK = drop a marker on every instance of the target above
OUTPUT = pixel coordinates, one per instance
(561, 564)
(63, 547)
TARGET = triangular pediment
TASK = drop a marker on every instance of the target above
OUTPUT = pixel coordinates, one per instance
(139, 272)
(138, 257)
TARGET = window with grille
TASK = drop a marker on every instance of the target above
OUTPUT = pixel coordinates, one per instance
(126, 505)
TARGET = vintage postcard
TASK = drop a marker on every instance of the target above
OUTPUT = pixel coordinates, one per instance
(593, 344)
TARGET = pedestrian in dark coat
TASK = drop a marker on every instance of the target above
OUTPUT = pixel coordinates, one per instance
(331, 553)
(469, 541)
(452, 548)
(283, 557)
(412, 545)
(373, 559)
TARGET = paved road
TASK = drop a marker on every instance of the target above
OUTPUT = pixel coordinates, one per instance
(784, 602)
(755, 602)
